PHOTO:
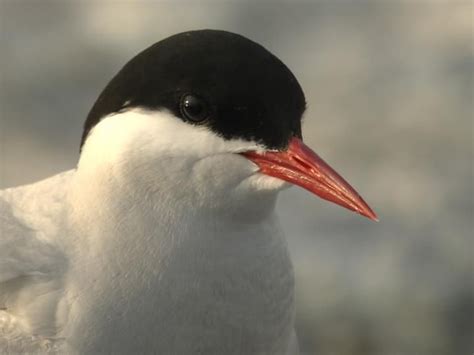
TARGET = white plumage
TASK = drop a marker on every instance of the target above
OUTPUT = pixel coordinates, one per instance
(153, 230)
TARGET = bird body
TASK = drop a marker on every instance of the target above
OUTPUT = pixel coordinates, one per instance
(164, 238)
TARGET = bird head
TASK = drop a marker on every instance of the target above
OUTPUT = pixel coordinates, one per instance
(214, 117)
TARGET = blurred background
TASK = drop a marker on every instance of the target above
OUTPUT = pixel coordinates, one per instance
(389, 86)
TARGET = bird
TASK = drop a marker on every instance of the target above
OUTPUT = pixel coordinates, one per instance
(164, 238)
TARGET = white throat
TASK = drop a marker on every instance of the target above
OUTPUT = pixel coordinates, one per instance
(178, 230)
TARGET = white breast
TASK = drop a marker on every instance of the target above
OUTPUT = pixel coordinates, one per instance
(221, 290)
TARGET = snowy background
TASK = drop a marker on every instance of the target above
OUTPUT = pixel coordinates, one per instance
(390, 91)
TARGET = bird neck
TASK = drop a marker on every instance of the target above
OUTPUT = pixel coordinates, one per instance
(171, 266)
(119, 206)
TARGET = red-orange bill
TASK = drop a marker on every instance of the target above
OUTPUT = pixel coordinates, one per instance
(301, 166)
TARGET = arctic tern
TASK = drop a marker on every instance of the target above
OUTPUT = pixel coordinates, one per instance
(164, 238)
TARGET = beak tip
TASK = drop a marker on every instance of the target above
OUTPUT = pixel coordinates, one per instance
(374, 218)
(370, 214)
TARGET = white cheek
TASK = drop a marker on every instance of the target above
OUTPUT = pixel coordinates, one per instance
(161, 134)
(147, 145)
(157, 154)
(262, 182)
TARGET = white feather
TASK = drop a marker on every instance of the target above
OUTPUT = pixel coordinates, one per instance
(163, 240)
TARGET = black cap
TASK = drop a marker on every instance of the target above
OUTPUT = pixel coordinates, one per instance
(248, 93)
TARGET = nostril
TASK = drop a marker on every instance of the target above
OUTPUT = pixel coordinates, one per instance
(303, 163)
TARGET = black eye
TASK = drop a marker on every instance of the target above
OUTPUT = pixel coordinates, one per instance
(194, 108)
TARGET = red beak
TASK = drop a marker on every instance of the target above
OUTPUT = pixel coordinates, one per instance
(301, 166)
